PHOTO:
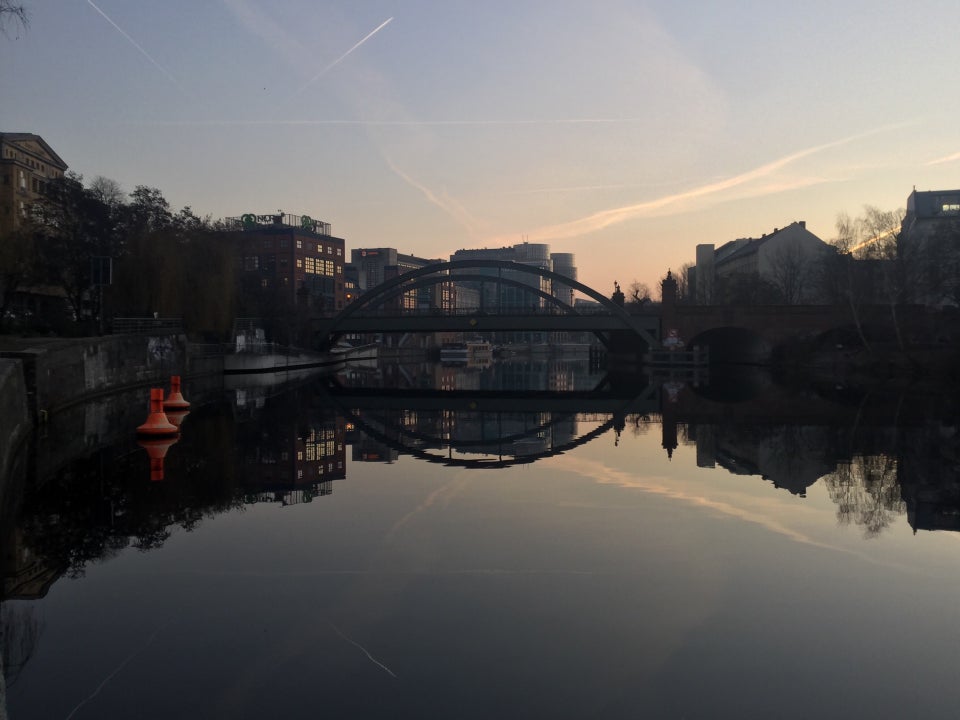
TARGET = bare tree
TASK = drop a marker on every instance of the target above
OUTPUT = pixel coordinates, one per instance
(638, 293)
(880, 232)
(789, 273)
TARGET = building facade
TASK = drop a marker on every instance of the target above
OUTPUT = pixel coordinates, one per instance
(930, 247)
(778, 267)
(374, 266)
(27, 166)
(294, 258)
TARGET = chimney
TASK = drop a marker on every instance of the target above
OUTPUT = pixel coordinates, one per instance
(803, 224)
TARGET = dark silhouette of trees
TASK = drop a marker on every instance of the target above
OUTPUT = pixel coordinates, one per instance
(73, 227)
(638, 294)
(173, 264)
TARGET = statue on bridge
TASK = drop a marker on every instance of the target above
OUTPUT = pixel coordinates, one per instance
(618, 296)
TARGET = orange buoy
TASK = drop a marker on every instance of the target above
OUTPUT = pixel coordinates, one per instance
(175, 399)
(157, 424)
(156, 450)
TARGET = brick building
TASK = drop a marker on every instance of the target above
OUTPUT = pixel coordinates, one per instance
(294, 255)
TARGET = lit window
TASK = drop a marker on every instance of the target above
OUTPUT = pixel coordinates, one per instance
(300, 262)
(299, 244)
(339, 252)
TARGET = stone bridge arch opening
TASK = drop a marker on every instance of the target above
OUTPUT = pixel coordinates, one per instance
(733, 345)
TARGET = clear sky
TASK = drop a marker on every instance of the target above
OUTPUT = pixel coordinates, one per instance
(625, 132)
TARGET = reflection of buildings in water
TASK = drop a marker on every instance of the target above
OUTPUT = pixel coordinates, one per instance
(366, 449)
(792, 457)
(929, 477)
(292, 467)
(512, 434)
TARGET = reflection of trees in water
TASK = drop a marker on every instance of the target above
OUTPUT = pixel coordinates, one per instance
(100, 505)
(867, 492)
(640, 424)
(19, 634)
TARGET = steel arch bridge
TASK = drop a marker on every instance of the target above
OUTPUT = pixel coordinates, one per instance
(359, 318)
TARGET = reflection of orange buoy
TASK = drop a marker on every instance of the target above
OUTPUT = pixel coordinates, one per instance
(157, 424)
(175, 399)
(157, 450)
(176, 417)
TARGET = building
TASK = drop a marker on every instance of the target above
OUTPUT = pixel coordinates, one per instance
(779, 267)
(291, 258)
(516, 296)
(27, 166)
(930, 247)
(377, 265)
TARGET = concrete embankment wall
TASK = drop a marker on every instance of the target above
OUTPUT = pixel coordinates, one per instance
(90, 391)
(60, 373)
(15, 420)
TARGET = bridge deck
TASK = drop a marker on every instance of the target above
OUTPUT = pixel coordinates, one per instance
(489, 322)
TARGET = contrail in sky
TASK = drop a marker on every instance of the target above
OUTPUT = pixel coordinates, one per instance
(410, 123)
(133, 42)
(614, 216)
(336, 62)
(941, 161)
(449, 205)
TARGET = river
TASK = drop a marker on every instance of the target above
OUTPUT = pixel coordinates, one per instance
(429, 542)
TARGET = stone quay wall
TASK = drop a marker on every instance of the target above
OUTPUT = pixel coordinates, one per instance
(16, 422)
(61, 373)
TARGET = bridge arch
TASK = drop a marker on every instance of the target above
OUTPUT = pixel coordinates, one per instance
(441, 273)
(505, 459)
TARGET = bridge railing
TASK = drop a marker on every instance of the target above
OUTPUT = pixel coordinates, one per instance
(129, 326)
(473, 312)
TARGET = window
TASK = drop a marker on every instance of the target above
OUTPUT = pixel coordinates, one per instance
(268, 244)
(23, 180)
(329, 249)
(339, 269)
(251, 262)
(339, 252)
(299, 244)
(300, 263)
(284, 243)
(265, 282)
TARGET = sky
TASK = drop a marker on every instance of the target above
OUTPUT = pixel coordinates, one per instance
(624, 132)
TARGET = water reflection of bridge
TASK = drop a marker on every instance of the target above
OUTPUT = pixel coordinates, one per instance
(500, 428)
(502, 401)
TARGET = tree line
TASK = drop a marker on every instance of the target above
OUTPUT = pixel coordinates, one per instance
(93, 252)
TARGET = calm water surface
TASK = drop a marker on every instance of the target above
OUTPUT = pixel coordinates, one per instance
(694, 557)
